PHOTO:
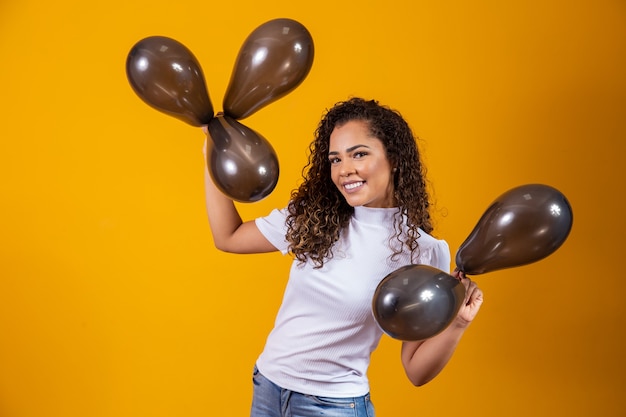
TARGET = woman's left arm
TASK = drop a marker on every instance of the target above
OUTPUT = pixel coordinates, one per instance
(423, 360)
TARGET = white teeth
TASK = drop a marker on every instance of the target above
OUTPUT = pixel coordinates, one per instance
(353, 185)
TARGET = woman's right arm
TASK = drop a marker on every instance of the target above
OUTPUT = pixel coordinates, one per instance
(230, 233)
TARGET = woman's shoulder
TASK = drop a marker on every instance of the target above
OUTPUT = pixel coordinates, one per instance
(433, 251)
(428, 239)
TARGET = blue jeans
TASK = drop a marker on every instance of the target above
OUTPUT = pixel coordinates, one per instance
(270, 400)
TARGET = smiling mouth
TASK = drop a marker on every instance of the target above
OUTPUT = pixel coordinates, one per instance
(353, 185)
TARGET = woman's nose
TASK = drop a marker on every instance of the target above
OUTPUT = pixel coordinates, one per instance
(346, 169)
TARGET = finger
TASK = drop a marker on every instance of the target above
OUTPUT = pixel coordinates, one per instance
(458, 274)
(475, 296)
(465, 281)
(470, 289)
(466, 285)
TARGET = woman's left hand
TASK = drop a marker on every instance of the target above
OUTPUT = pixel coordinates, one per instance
(473, 298)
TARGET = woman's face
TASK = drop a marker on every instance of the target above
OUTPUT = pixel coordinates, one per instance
(359, 166)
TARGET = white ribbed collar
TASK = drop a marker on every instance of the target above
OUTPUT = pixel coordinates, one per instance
(374, 215)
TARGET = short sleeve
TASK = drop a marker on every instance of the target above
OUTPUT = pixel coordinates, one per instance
(435, 252)
(274, 228)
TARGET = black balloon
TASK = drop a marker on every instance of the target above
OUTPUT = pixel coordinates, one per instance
(241, 162)
(273, 60)
(167, 76)
(523, 225)
(417, 302)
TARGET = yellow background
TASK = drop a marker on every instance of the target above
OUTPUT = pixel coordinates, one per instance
(113, 302)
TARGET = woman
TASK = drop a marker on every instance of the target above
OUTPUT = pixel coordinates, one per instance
(361, 212)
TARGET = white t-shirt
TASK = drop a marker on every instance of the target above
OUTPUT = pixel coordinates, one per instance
(325, 331)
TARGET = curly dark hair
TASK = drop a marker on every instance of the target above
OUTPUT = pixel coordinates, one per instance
(317, 210)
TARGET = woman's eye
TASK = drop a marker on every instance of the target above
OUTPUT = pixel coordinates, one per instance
(358, 155)
(333, 160)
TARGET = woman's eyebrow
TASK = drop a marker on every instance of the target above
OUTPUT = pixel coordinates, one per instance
(350, 149)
